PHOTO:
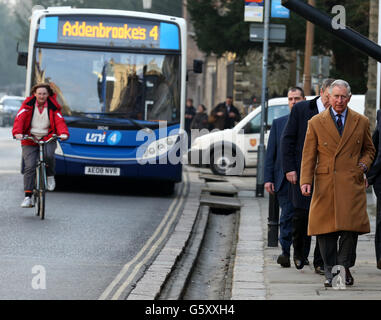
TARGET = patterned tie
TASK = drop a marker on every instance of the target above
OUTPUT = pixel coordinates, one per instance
(339, 123)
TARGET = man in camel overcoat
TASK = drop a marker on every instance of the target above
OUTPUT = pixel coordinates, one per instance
(338, 150)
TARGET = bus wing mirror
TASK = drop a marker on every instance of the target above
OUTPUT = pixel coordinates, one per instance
(197, 66)
(22, 58)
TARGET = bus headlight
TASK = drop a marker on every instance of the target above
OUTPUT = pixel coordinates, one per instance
(160, 147)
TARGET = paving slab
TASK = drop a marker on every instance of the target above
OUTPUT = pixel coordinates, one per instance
(220, 202)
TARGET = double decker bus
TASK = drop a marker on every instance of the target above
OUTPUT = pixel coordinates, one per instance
(120, 78)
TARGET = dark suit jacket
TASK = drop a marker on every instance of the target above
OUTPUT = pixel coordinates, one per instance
(292, 143)
(273, 165)
(374, 174)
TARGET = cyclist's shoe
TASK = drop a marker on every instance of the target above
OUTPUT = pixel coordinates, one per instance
(51, 183)
(28, 202)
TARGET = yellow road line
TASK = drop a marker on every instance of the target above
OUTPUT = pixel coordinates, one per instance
(151, 252)
(126, 267)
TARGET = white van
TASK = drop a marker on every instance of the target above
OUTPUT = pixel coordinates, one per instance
(244, 138)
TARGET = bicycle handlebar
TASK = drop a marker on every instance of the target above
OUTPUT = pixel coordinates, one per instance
(34, 139)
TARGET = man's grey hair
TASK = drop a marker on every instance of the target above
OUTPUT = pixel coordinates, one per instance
(327, 83)
(340, 83)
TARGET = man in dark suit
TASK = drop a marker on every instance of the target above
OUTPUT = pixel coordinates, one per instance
(226, 114)
(275, 180)
(292, 143)
(374, 178)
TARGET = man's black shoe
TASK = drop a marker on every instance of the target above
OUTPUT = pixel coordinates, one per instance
(328, 283)
(284, 261)
(299, 263)
(348, 277)
(379, 264)
(319, 270)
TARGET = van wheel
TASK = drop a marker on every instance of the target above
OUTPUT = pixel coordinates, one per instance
(226, 163)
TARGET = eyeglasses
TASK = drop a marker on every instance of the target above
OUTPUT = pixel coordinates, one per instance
(339, 97)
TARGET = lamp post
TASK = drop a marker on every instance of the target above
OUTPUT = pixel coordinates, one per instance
(261, 147)
(378, 103)
(147, 4)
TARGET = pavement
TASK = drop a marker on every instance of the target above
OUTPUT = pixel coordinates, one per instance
(258, 276)
(255, 274)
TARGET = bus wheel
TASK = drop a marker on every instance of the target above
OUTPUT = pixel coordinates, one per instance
(167, 188)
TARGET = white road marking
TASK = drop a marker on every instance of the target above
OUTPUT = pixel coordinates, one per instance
(9, 171)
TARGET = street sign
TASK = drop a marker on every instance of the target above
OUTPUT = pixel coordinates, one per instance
(254, 10)
(278, 11)
(277, 33)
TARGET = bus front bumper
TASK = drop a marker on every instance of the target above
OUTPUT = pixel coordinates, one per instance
(67, 166)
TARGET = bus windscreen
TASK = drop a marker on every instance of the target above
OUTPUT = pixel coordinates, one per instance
(112, 84)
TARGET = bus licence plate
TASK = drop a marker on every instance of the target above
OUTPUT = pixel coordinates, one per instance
(102, 171)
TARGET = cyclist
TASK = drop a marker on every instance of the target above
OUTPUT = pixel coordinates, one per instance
(39, 116)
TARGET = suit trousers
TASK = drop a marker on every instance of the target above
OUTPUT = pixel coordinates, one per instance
(285, 220)
(30, 156)
(332, 256)
(377, 239)
(301, 241)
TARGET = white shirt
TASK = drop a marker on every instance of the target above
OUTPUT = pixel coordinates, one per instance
(320, 105)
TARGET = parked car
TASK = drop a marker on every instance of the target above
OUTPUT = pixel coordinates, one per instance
(229, 151)
(9, 106)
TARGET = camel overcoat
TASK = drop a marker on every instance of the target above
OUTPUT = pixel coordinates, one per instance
(331, 163)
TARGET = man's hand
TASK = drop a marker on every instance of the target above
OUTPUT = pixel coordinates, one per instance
(232, 115)
(269, 187)
(19, 136)
(306, 190)
(292, 177)
(220, 114)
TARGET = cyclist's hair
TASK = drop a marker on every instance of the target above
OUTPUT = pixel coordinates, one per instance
(42, 85)
(293, 89)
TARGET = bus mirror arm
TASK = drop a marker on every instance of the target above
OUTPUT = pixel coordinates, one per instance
(22, 58)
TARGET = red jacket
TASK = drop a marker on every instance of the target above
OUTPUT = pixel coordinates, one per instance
(23, 120)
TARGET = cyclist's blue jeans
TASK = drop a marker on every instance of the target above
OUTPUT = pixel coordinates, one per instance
(285, 220)
(30, 156)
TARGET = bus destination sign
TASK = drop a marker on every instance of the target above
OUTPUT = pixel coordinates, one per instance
(115, 32)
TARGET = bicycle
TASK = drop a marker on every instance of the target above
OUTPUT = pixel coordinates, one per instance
(41, 178)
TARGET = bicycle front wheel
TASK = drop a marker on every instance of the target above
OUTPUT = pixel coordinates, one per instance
(40, 204)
